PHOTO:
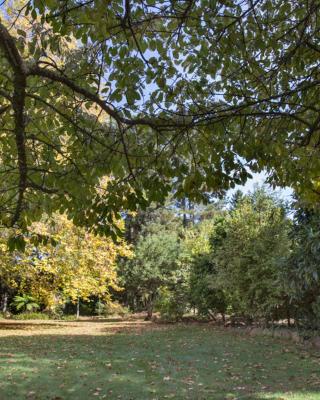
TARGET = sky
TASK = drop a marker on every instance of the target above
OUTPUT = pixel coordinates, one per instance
(259, 179)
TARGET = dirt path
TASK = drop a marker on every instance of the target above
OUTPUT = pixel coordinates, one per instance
(83, 326)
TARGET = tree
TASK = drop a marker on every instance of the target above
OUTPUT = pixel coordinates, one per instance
(301, 268)
(155, 265)
(246, 249)
(64, 263)
(236, 198)
(204, 293)
(153, 219)
(193, 93)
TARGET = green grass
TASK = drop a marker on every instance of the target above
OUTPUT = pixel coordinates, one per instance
(30, 315)
(178, 362)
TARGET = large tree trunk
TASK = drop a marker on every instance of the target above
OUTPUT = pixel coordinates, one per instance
(149, 310)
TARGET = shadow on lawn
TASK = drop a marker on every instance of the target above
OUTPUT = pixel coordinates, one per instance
(16, 325)
(83, 326)
(181, 363)
(100, 320)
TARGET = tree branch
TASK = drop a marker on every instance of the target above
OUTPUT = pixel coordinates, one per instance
(11, 52)
(90, 96)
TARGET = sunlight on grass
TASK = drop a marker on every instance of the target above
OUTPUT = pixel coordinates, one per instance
(178, 362)
(291, 396)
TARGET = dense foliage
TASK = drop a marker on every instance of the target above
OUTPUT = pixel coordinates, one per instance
(248, 261)
(156, 265)
(64, 264)
(245, 260)
(302, 268)
(152, 93)
(110, 107)
(247, 249)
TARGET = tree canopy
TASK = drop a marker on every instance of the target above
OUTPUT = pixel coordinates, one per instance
(153, 93)
(68, 263)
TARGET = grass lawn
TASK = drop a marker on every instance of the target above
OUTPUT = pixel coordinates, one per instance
(139, 360)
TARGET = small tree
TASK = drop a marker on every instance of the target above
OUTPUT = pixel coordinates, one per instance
(153, 266)
(205, 294)
(246, 251)
(301, 269)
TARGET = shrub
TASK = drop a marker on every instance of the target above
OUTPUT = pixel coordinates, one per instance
(25, 302)
(31, 315)
(67, 317)
(57, 312)
(169, 306)
(205, 296)
(113, 309)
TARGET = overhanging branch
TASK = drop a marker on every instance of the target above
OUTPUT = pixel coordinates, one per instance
(11, 53)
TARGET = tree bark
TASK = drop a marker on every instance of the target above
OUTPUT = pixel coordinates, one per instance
(5, 302)
(288, 317)
(149, 310)
(78, 308)
(20, 70)
(149, 314)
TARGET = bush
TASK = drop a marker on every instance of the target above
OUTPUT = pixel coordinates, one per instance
(205, 296)
(67, 318)
(31, 315)
(111, 309)
(25, 302)
(56, 312)
(169, 306)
